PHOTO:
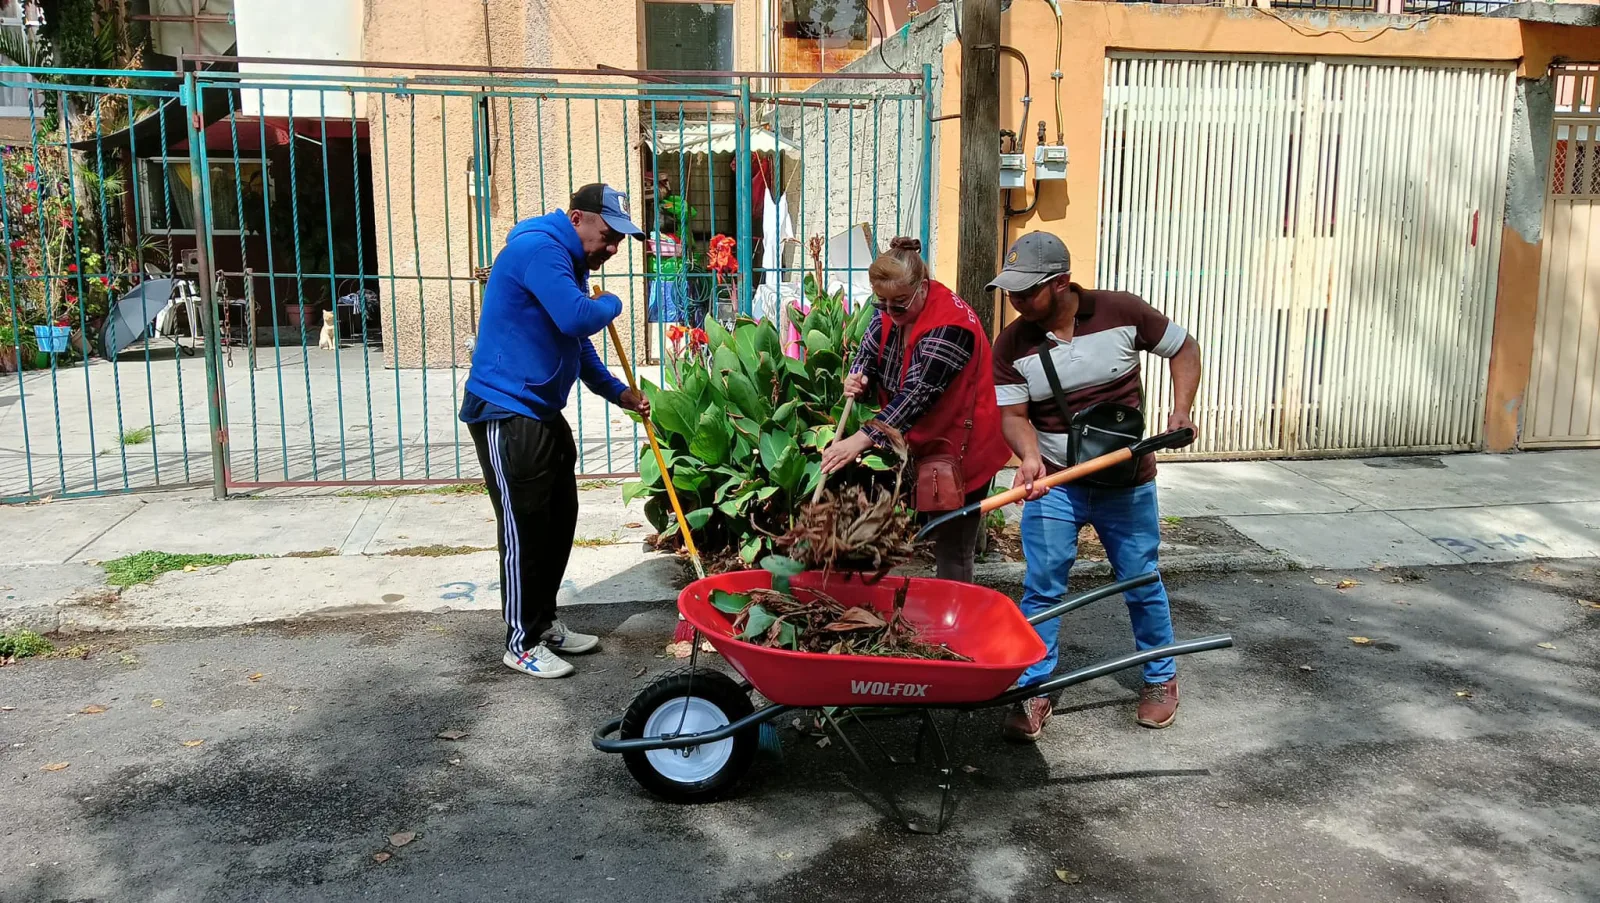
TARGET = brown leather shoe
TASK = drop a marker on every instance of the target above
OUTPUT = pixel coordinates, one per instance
(1026, 722)
(1158, 704)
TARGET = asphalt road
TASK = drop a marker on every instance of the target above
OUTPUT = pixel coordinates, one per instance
(1303, 766)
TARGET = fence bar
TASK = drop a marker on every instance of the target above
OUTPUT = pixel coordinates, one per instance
(200, 196)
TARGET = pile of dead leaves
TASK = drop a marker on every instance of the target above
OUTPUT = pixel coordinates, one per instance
(807, 620)
(857, 527)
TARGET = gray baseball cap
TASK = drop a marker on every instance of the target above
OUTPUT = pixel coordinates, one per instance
(1033, 258)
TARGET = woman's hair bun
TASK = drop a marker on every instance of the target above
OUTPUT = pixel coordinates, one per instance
(905, 243)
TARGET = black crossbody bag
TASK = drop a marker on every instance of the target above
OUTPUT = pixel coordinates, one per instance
(1099, 429)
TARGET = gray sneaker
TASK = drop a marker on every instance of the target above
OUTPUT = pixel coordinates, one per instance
(560, 639)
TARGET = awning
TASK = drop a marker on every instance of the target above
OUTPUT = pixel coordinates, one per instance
(159, 130)
(717, 137)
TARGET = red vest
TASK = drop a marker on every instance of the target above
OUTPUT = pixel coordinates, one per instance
(971, 396)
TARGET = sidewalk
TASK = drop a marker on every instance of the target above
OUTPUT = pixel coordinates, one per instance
(349, 555)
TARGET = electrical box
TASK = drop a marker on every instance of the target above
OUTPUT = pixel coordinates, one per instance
(1050, 162)
(1013, 170)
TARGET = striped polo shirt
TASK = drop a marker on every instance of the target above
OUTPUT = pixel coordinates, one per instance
(1099, 363)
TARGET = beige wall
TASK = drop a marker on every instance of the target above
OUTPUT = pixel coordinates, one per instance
(565, 34)
(1090, 30)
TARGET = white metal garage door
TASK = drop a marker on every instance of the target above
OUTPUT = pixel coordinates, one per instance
(1564, 389)
(1328, 230)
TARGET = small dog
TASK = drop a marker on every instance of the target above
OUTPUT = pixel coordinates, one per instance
(329, 340)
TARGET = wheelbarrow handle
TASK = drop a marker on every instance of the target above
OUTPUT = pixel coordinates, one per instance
(1174, 439)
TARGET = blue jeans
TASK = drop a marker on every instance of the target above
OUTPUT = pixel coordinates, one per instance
(1129, 524)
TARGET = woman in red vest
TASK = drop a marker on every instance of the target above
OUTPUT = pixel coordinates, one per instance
(928, 358)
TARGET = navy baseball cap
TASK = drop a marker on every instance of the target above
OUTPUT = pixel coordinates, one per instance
(611, 204)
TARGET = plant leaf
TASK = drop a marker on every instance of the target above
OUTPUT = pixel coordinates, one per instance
(742, 392)
(790, 470)
(634, 490)
(856, 619)
(785, 412)
(782, 569)
(817, 342)
(773, 447)
(711, 439)
(757, 622)
(675, 413)
(729, 603)
(698, 518)
(716, 335)
(751, 549)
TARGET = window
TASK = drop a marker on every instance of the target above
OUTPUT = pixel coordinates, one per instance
(170, 178)
(836, 24)
(688, 36)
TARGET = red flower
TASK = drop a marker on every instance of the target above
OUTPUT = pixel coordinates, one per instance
(31, 185)
(72, 299)
(64, 321)
(720, 258)
(72, 268)
(27, 168)
(697, 338)
(105, 280)
(66, 222)
(27, 209)
(674, 333)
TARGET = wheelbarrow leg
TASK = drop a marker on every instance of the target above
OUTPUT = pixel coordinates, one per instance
(943, 768)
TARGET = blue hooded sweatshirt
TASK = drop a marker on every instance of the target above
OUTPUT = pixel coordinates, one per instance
(533, 335)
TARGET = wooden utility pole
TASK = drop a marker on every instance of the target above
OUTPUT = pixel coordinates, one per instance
(978, 217)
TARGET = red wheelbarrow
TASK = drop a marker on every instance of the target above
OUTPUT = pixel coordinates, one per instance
(692, 734)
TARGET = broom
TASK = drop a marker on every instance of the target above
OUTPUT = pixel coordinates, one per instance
(684, 631)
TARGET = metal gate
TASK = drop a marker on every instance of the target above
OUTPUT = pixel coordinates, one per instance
(364, 212)
(1328, 230)
(1564, 387)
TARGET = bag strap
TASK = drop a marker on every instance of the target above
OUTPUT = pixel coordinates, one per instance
(1055, 380)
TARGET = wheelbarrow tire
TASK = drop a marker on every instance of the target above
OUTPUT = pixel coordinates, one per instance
(709, 771)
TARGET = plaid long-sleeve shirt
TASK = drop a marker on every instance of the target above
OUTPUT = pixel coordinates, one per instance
(914, 386)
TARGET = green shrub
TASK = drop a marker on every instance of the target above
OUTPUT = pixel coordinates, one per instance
(743, 427)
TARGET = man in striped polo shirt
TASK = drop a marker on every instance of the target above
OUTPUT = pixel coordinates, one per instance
(1094, 340)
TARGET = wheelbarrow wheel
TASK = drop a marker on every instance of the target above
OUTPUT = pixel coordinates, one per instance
(685, 702)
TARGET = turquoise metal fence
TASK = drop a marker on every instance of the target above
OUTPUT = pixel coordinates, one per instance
(328, 262)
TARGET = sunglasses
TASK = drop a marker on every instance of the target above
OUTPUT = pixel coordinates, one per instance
(901, 305)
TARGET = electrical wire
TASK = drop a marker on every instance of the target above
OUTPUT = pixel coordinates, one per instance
(883, 38)
(1339, 32)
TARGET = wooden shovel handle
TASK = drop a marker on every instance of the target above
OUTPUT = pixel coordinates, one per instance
(844, 420)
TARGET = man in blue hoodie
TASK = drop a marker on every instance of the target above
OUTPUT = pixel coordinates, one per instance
(533, 343)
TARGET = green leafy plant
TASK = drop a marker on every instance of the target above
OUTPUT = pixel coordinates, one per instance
(743, 427)
(144, 567)
(22, 644)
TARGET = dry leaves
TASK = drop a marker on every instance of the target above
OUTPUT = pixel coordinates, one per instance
(1547, 645)
(1587, 604)
(1068, 877)
(8, 708)
(451, 735)
(1321, 582)
(856, 528)
(633, 526)
(401, 839)
(193, 743)
(1307, 668)
(57, 766)
(1463, 694)
(1346, 584)
(381, 857)
(1361, 640)
(680, 649)
(92, 709)
(257, 676)
(157, 703)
